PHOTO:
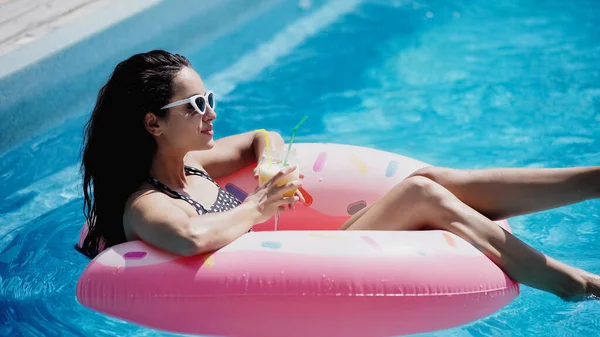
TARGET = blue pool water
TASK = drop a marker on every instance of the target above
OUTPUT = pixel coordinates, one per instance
(465, 84)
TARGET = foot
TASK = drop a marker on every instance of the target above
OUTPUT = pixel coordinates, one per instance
(591, 289)
(592, 285)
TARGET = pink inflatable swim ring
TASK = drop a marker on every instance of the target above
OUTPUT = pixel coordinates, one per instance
(307, 279)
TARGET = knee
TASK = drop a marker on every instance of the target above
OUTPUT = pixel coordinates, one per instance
(441, 175)
(425, 189)
(436, 203)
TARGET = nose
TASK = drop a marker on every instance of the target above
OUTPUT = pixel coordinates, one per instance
(209, 114)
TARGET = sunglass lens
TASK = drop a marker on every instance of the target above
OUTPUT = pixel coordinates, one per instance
(211, 100)
(201, 103)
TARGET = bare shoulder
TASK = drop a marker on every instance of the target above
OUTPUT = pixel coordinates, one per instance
(142, 201)
(147, 208)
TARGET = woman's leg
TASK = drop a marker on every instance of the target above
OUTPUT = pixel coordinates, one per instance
(420, 203)
(505, 192)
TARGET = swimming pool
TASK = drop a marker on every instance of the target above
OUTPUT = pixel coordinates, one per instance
(466, 84)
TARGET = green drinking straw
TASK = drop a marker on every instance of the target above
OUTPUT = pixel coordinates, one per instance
(292, 140)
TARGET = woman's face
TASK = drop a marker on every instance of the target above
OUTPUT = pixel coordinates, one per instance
(184, 129)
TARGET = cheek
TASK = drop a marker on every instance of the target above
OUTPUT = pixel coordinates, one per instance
(178, 131)
(191, 124)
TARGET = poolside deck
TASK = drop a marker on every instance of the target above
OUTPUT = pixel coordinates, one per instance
(23, 21)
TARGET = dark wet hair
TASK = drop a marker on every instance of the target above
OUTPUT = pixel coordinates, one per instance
(117, 149)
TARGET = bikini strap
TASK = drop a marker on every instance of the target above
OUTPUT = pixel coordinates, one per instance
(174, 194)
(197, 172)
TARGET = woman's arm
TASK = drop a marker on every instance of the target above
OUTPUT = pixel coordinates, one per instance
(164, 225)
(155, 219)
(233, 153)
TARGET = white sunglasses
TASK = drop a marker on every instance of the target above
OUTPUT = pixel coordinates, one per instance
(197, 101)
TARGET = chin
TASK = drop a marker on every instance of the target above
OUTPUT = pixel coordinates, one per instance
(203, 146)
(208, 145)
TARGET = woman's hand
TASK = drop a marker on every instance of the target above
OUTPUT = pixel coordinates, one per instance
(268, 198)
(256, 172)
(298, 195)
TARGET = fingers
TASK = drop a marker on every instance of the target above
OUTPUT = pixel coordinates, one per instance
(286, 201)
(288, 187)
(300, 196)
(282, 173)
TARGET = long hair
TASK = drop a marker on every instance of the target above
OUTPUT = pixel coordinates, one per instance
(117, 149)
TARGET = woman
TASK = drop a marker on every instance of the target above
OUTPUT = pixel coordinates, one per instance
(149, 160)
